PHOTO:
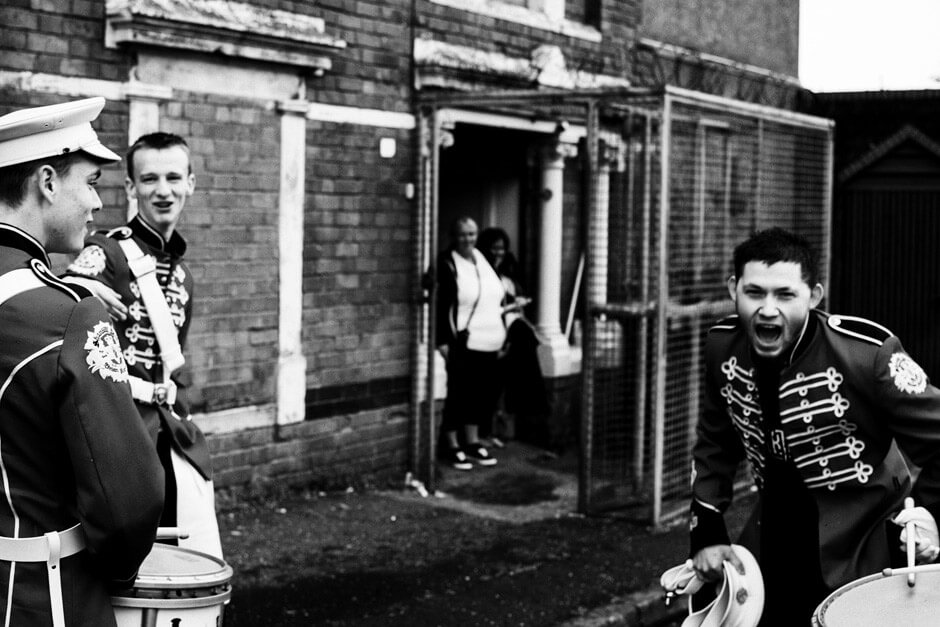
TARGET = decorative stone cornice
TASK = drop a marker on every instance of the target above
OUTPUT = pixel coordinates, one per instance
(550, 18)
(442, 64)
(233, 29)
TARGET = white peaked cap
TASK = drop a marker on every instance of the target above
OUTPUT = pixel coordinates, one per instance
(30, 134)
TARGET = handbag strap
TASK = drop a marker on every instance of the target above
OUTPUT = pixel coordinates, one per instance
(473, 309)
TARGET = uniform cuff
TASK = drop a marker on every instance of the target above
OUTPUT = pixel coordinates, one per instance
(706, 528)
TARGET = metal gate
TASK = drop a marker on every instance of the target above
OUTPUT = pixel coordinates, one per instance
(674, 179)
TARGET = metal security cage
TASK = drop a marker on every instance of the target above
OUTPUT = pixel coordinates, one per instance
(698, 174)
(673, 180)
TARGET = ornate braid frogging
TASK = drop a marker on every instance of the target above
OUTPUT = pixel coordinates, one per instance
(740, 393)
(814, 432)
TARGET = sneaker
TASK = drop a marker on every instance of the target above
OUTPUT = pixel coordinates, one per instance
(497, 443)
(479, 455)
(456, 459)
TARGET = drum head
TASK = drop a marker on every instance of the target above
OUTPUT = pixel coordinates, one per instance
(876, 601)
(170, 567)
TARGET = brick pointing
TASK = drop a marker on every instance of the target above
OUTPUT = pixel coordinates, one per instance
(333, 452)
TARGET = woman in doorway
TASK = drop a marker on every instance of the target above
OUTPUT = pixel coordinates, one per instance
(524, 396)
(470, 336)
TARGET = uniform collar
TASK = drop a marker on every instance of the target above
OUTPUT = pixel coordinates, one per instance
(806, 337)
(176, 245)
(15, 237)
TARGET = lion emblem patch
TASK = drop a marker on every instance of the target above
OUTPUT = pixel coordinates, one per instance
(104, 356)
(907, 374)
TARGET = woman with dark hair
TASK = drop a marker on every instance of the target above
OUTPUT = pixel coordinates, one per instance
(523, 384)
(470, 335)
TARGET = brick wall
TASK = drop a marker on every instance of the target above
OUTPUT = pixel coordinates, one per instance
(335, 452)
(58, 37)
(484, 32)
(764, 33)
(230, 224)
(358, 256)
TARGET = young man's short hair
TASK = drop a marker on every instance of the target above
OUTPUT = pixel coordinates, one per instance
(14, 178)
(154, 141)
(776, 245)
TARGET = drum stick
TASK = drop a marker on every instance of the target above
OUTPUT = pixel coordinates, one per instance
(171, 533)
(923, 568)
(910, 527)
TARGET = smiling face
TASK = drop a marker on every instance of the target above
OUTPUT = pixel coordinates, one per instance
(162, 182)
(465, 237)
(66, 222)
(773, 302)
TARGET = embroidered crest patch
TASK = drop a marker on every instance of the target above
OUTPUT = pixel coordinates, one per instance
(907, 374)
(90, 262)
(104, 355)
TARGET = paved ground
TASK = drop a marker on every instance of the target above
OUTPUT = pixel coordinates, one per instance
(496, 546)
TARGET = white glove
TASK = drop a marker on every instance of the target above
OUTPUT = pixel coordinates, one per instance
(926, 535)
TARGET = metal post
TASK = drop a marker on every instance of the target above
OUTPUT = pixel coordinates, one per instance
(827, 207)
(590, 326)
(659, 413)
(421, 300)
(435, 148)
(695, 320)
(639, 443)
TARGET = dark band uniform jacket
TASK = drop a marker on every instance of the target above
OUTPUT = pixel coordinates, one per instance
(446, 312)
(103, 259)
(72, 448)
(848, 400)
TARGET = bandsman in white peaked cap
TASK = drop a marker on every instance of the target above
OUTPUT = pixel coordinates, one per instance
(59, 129)
(83, 487)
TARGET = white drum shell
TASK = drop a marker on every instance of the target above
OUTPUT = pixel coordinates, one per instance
(176, 588)
(878, 600)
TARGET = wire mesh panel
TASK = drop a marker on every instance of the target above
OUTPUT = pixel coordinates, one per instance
(698, 175)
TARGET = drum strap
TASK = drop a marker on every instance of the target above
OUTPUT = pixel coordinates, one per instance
(49, 548)
(144, 269)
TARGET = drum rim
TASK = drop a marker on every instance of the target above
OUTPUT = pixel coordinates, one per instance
(819, 613)
(165, 581)
(821, 608)
(220, 599)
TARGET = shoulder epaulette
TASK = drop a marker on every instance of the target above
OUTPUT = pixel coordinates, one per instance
(728, 323)
(121, 232)
(859, 328)
(45, 275)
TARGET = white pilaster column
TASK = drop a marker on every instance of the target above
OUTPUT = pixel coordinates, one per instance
(597, 229)
(143, 116)
(291, 363)
(555, 352)
(609, 333)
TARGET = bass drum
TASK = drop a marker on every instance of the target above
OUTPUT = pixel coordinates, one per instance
(176, 588)
(879, 600)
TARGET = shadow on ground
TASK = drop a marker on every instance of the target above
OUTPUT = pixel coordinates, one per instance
(498, 546)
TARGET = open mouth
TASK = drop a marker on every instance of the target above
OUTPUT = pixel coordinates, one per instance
(768, 333)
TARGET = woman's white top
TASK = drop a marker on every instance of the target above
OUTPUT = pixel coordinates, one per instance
(487, 332)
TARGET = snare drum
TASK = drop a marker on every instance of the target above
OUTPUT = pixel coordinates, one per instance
(878, 600)
(176, 588)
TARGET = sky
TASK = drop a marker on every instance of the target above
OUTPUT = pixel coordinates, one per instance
(861, 45)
